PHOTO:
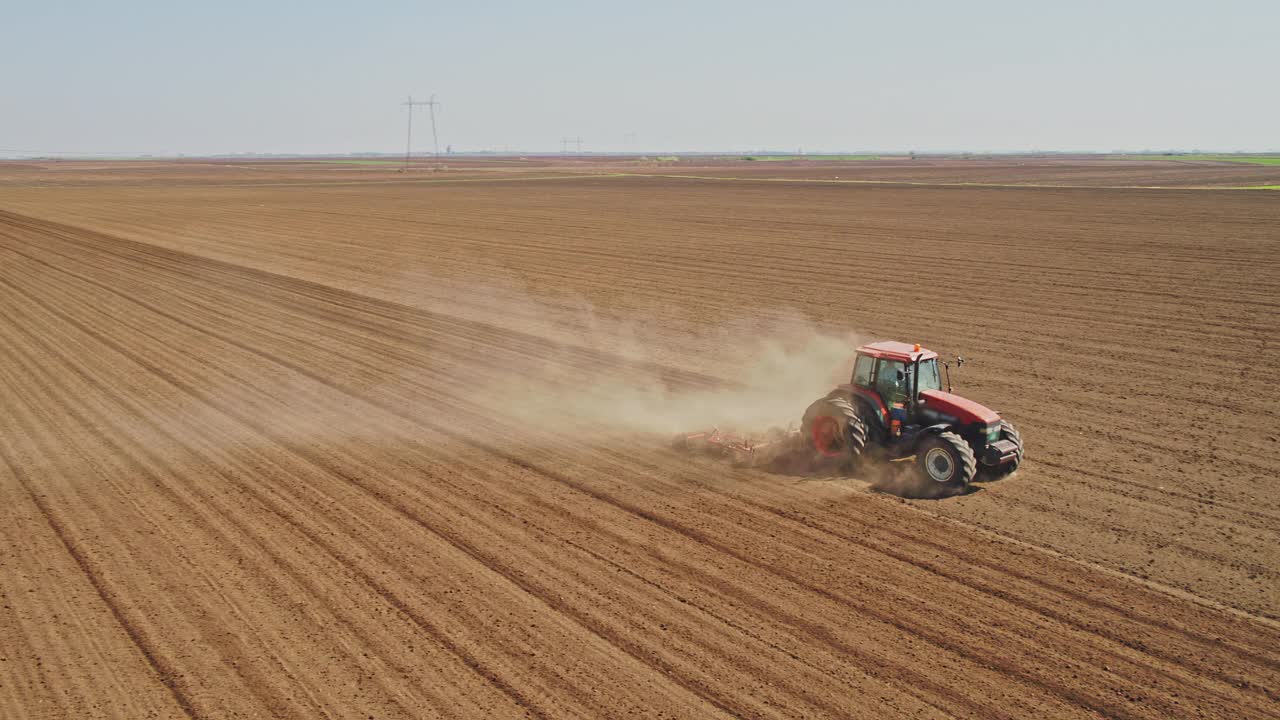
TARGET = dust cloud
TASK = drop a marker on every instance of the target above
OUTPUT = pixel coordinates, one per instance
(904, 480)
(651, 369)
(776, 380)
(648, 374)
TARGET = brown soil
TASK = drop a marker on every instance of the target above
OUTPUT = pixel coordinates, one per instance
(378, 449)
(1069, 171)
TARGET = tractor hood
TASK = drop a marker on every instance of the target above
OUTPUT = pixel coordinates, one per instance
(965, 411)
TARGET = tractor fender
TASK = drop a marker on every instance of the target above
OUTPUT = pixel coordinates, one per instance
(870, 402)
(913, 441)
(865, 403)
(871, 416)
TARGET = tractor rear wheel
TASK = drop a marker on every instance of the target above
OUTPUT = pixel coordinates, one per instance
(947, 462)
(833, 432)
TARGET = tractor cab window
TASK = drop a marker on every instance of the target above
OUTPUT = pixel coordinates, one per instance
(891, 381)
(862, 370)
(928, 377)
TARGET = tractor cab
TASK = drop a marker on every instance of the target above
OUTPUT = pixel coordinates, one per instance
(900, 390)
(892, 375)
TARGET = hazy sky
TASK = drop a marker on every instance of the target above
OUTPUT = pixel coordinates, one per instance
(237, 76)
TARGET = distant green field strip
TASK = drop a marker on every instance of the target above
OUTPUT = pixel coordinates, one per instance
(937, 183)
(361, 162)
(772, 158)
(1251, 159)
(1254, 161)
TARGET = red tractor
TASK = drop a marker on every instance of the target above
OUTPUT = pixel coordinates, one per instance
(895, 408)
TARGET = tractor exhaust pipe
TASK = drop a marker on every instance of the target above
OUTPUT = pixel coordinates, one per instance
(947, 365)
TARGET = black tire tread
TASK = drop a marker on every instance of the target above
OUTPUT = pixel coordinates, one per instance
(1007, 429)
(968, 461)
(1008, 432)
(857, 428)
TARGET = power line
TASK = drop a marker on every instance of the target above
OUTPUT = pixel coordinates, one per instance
(408, 141)
(431, 108)
(566, 142)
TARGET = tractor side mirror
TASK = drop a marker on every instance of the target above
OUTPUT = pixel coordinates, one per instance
(901, 376)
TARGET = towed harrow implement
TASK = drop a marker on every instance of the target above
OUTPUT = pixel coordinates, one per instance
(743, 449)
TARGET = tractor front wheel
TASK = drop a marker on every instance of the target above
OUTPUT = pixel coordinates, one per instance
(1007, 432)
(947, 462)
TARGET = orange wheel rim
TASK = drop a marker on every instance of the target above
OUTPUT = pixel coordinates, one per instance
(826, 436)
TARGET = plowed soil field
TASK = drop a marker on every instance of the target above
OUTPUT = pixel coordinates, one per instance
(1054, 171)
(401, 449)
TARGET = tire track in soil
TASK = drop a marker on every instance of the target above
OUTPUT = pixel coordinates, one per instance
(163, 670)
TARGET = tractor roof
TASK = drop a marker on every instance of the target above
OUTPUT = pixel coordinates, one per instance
(892, 350)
